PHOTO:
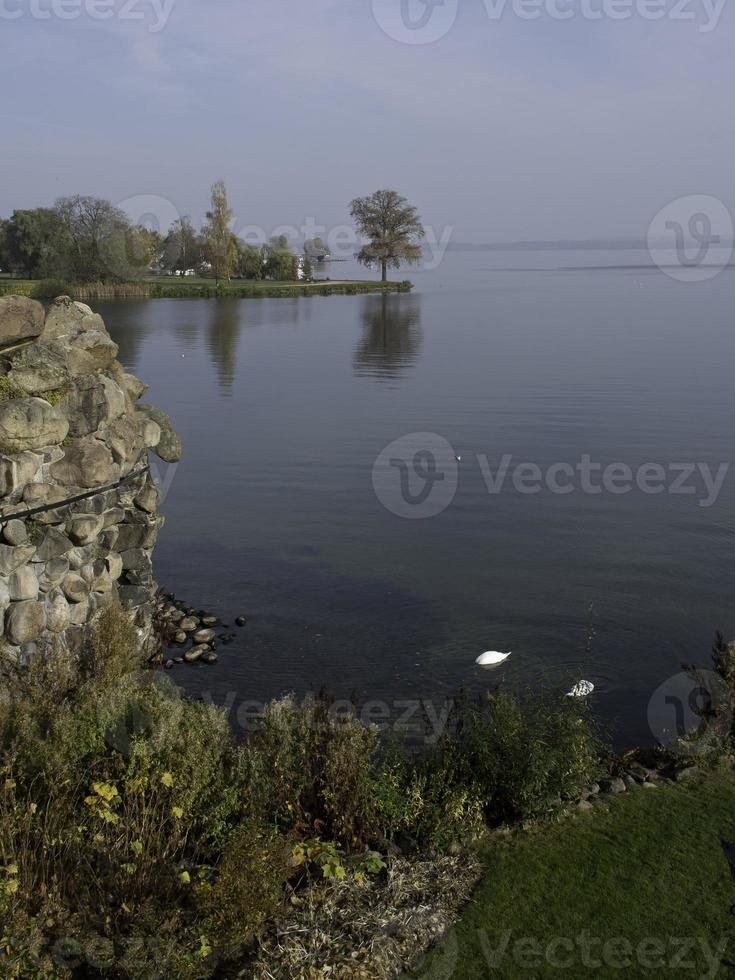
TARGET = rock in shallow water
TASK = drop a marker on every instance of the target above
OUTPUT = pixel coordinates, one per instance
(191, 656)
(204, 636)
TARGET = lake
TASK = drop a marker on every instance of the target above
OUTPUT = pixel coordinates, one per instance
(544, 357)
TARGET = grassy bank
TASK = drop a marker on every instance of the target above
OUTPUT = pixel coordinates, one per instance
(195, 288)
(644, 877)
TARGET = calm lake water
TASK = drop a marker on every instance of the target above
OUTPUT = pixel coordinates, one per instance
(284, 405)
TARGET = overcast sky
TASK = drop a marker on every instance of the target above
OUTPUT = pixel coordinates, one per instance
(504, 128)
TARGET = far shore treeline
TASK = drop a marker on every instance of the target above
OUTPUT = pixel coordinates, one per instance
(82, 240)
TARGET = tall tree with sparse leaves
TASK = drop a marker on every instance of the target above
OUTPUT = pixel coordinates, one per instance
(182, 248)
(219, 242)
(393, 229)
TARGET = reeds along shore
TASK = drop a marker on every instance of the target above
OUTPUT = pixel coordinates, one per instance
(207, 290)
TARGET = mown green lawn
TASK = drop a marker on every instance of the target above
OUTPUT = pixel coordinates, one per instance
(638, 888)
(255, 283)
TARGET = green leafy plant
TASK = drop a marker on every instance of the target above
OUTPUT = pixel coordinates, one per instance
(50, 289)
(325, 855)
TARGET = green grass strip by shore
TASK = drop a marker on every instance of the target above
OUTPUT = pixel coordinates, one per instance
(638, 888)
(195, 288)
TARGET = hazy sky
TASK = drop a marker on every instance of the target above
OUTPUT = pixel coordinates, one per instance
(504, 128)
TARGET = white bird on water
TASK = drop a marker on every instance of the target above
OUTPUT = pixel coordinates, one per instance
(581, 690)
(492, 658)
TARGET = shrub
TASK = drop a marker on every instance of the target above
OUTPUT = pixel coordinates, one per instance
(312, 765)
(524, 756)
(248, 885)
(423, 802)
(112, 652)
(50, 289)
(112, 787)
(713, 741)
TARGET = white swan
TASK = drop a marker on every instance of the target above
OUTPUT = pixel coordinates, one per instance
(492, 659)
(581, 690)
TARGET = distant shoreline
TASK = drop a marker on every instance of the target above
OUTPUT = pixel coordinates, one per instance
(179, 288)
(571, 245)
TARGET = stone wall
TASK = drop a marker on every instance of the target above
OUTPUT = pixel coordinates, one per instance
(78, 517)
